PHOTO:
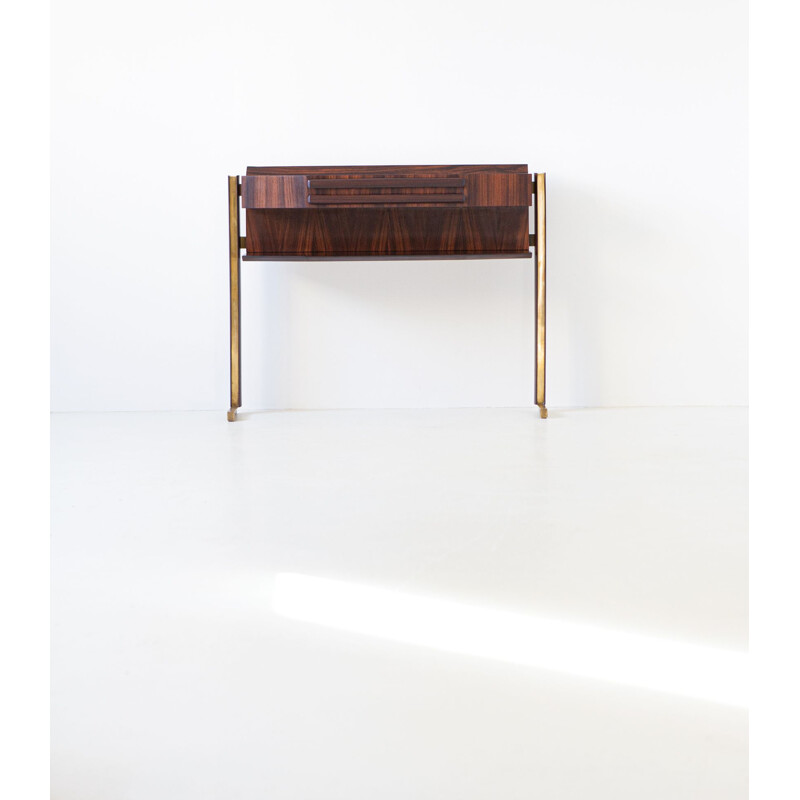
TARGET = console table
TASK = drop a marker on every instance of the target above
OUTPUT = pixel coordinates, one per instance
(386, 212)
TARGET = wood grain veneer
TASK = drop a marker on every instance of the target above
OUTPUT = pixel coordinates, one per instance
(387, 211)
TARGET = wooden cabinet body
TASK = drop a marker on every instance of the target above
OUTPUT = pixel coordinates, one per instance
(450, 211)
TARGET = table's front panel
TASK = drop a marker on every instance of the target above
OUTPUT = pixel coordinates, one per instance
(387, 211)
(386, 231)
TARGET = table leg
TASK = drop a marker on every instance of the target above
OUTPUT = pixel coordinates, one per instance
(235, 262)
(541, 281)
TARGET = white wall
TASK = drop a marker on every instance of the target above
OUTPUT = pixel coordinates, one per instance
(637, 112)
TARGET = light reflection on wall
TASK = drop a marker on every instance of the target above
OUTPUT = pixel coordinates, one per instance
(662, 665)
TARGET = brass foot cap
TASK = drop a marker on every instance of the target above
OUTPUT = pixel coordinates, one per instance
(232, 415)
(543, 412)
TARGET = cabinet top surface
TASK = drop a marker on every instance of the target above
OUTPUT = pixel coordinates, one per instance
(396, 169)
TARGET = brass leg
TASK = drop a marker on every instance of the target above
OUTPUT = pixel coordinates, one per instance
(236, 354)
(541, 277)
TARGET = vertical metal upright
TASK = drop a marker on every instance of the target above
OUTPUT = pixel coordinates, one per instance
(541, 289)
(235, 264)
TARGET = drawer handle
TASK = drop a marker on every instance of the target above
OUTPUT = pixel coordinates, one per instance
(328, 199)
(386, 183)
(325, 191)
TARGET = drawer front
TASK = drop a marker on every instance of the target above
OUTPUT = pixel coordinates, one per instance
(480, 189)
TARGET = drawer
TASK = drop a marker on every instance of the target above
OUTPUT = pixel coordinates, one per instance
(476, 189)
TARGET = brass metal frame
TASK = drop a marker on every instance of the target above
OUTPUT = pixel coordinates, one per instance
(236, 242)
(540, 243)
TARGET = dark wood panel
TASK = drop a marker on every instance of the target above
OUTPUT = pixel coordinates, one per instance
(386, 231)
(298, 191)
(274, 191)
(498, 189)
(432, 170)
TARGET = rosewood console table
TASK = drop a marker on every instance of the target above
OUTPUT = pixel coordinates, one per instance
(378, 213)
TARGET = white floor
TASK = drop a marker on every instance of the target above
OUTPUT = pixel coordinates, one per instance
(175, 679)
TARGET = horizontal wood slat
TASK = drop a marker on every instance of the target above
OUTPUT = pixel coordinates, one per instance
(425, 257)
(335, 199)
(386, 183)
(402, 170)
